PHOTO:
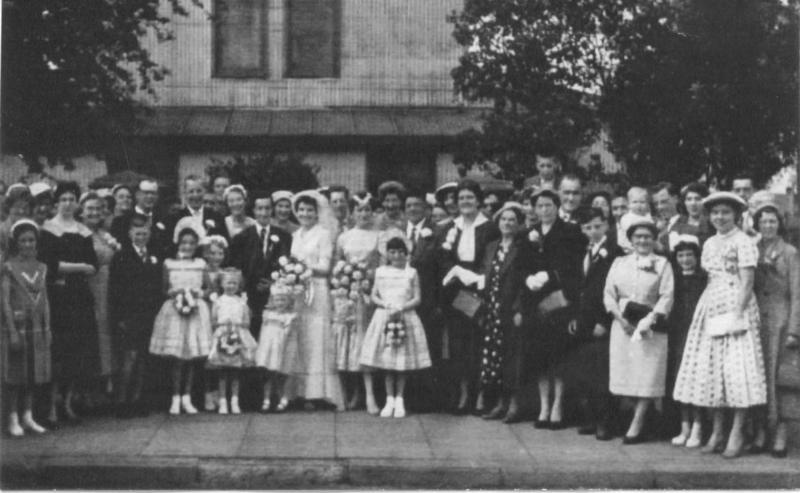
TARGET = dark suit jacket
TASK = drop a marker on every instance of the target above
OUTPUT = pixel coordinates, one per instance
(592, 309)
(135, 286)
(423, 259)
(246, 254)
(521, 261)
(484, 234)
(160, 242)
(562, 251)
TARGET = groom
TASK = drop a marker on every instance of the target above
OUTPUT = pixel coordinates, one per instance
(256, 251)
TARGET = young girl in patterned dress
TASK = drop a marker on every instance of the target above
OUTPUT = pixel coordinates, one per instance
(233, 346)
(182, 329)
(214, 251)
(724, 369)
(395, 339)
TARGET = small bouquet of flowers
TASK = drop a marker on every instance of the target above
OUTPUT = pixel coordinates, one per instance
(186, 301)
(395, 331)
(111, 241)
(352, 281)
(293, 274)
(230, 341)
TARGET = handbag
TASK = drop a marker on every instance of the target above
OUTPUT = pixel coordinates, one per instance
(552, 302)
(634, 312)
(789, 369)
(467, 303)
(724, 324)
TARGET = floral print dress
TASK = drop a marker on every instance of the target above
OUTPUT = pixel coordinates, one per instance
(492, 346)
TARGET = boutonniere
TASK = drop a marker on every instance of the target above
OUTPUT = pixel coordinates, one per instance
(210, 223)
(160, 226)
(425, 232)
(534, 236)
(450, 239)
(603, 253)
(274, 238)
(153, 260)
(111, 242)
(646, 264)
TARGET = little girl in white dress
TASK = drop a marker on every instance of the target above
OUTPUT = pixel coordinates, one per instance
(277, 345)
(233, 347)
(395, 339)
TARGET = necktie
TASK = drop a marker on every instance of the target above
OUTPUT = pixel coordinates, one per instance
(587, 261)
(143, 254)
(263, 237)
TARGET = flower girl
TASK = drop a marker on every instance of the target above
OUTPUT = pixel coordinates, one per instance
(182, 330)
(395, 339)
(233, 346)
(277, 345)
(215, 249)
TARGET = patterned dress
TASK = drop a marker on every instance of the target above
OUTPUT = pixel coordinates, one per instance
(725, 371)
(395, 286)
(350, 317)
(492, 346)
(26, 305)
(99, 286)
(185, 337)
(233, 346)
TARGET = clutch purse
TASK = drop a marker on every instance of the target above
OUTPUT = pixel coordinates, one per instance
(552, 302)
(724, 325)
(789, 370)
(634, 312)
(467, 303)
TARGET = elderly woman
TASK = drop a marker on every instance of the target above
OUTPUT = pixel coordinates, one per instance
(506, 263)
(235, 197)
(68, 250)
(461, 259)
(554, 288)
(777, 289)
(723, 366)
(282, 213)
(638, 294)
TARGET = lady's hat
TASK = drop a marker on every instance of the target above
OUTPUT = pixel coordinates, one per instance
(234, 188)
(509, 206)
(18, 190)
(729, 198)
(441, 192)
(188, 222)
(642, 223)
(769, 204)
(279, 195)
(40, 188)
(389, 186)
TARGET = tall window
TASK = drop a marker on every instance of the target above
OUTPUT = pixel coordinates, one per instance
(313, 38)
(240, 38)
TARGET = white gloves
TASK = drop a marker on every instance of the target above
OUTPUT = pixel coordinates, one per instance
(644, 327)
(467, 277)
(537, 281)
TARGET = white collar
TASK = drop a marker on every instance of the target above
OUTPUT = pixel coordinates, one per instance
(195, 212)
(597, 246)
(479, 219)
(141, 211)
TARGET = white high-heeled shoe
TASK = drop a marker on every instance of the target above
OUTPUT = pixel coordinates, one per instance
(399, 408)
(186, 405)
(175, 408)
(235, 406)
(29, 424)
(388, 409)
(14, 429)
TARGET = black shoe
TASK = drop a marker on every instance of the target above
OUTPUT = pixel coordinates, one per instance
(640, 438)
(779, 453)
(541, 424)
(587, 430)
(557, 425)
(603, 434)
(460, 411)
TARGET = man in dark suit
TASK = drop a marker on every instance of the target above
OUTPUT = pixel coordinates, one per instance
(424, 391)
(203, 218)
(146, 200)
(589, 358)
(135, 295)
(256, 251)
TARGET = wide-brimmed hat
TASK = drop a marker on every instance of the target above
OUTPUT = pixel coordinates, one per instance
(441, 192)
(729, 198)
(642, 223)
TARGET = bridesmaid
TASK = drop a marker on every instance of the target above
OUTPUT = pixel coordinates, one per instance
(464, 247)
(777, 289)
(312, 244)
(355, 246)
(105, 246)
(68, 251)
(235, 197)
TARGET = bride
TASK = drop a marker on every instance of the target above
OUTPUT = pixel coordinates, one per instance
(312, 243)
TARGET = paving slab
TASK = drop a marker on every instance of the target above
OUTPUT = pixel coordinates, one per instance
(199, 435)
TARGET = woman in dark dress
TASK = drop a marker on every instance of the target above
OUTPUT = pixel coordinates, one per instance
(506, 263)
(461, 257)
(68, 251)
(562, 247)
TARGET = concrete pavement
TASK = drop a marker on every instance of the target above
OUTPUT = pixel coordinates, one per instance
(351, 450)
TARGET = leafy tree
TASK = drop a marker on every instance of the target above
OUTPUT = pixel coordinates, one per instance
(268, 172)
(71, 70)
(542, 64)
(705, 87)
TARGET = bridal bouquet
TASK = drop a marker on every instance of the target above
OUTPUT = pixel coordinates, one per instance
(395, 331)
(293, 274)
(351, 280)
(186, 301)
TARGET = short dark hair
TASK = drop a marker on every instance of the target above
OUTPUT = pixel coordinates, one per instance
(397, 243)
(13, 248)
(305, 199)
(472, 186)
(586, 215)
(547, 194)
(188, 231)
(138, 221)
(686, 245)
(772, 210)
(415, 192)
(67, 187)
(340, 189)
(670, 187)
(260, 195)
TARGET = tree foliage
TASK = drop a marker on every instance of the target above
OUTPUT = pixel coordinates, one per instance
(705, 87)
(71, 71)
(267, 172)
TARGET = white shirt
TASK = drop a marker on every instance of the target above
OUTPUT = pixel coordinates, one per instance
(197, 218)
(141, 211)
(565, 216)
(259, 228)
(412, 230)
(466, 245)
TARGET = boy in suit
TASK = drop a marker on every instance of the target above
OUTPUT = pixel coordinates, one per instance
(590, 356)
(134, 297)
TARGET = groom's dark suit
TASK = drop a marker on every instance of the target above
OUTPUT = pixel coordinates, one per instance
(257, 262)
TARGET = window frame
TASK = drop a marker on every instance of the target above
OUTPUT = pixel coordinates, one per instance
(263, 71)
(336, 43)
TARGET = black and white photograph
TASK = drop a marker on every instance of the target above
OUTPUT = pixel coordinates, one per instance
(399, 244)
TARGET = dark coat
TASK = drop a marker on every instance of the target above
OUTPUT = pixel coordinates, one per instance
(135, 285)
(448, 258)
(213, 224)
(424, 259)
(592, 309)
